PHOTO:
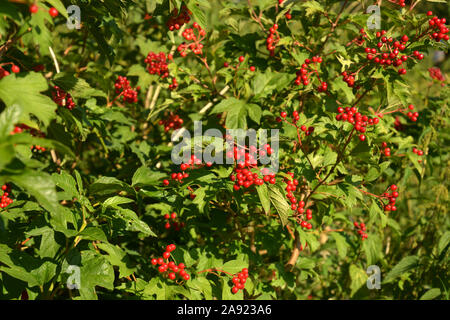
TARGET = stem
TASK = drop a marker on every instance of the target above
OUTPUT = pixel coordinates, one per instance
(339, 159)
(217, 270)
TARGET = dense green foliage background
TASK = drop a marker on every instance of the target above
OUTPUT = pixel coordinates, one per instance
(97, 201)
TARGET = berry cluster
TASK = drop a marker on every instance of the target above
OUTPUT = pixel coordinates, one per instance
(438, 29)
(245, 162)
(239, 281)
(412, 115)
(173, 122)
(174, 84)
(401, 3)
(62, 98)
(194, 163)
(392, 197)
(4, 72)
(388, 51)
(306, 70)
(176, 21)
(124, 90)
(272, 39)
(386, 149)
(5, 200)
(170, 268)
(246, 178)
(361, 229)
(417, 151)
(436, 74)
(348, 78)
(360, 122)
(195, 37)
(297, 205)
(157, 64)
(173, 216)
(52, 11)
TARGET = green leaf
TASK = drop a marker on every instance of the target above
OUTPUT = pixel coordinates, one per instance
(443, 242)
(95, 270)
(358, 278)
(76, 86)
(116, 201)
(26, 92)
(341, 244)
(372, 174)
(372, 247)
(235, 266)
(66, 182)
(263, 194)
(39, 185)
(406, 264)
(145, 177)
(109, 185)
(93, 233)
(279, 202)
(199, 15)
(431, 294)
(133, 222)
(254, 112)
(117, 257)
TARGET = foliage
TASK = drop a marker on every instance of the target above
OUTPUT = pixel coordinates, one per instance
(85, 166)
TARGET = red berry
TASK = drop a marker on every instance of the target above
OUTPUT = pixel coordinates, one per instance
(241, 59)
(34, 8)
(15, 69)
(53, 12)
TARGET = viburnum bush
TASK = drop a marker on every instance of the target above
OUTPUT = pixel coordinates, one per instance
(94, 206)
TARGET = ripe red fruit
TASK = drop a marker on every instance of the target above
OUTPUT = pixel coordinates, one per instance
(34, 8)
(362, 137)
(53, 12)
(166, 182)
(252, 68)
(166, 255)
(234, 290)
(172, 276)
(393, 187)
(186, 277)
(15, 69)
(241, 59)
